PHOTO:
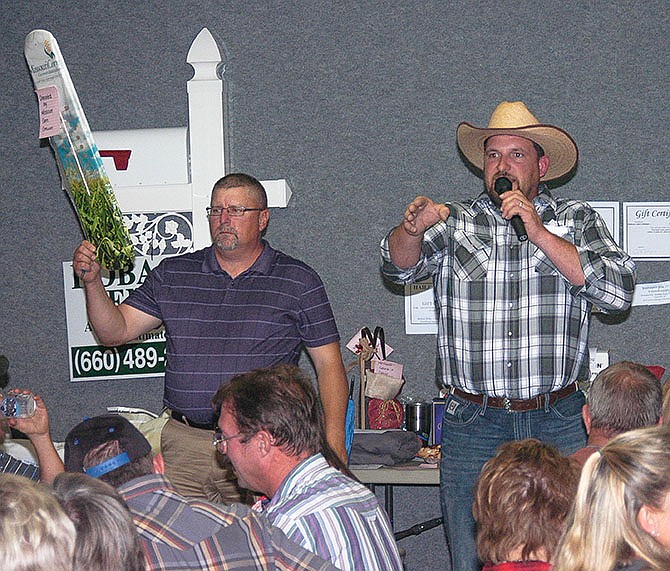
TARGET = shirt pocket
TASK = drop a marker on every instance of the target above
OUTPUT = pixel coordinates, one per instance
(540, 261)
(471, 256)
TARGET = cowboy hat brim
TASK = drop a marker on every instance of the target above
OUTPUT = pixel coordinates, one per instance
(558, 145)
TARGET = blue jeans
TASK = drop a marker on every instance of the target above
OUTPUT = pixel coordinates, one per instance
(471, 433)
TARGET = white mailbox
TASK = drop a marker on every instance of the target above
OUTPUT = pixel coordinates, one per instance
(174, 169)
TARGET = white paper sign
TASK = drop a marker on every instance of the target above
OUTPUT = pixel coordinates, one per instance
(420, 316)
(652, 294)
(609, 212)
(646, 227)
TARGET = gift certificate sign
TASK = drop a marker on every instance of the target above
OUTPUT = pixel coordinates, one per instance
(646, 229)
(420, 317)
(609, 212)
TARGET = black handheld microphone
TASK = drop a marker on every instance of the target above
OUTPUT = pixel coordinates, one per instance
(503, 184)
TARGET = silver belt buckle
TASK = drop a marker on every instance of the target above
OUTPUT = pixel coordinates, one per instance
(507, 404)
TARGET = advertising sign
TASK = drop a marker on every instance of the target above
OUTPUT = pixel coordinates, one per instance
(90, 361)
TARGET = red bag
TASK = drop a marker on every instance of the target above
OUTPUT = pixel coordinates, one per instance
(384, 414)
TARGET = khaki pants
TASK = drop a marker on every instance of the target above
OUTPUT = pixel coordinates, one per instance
(195, 468)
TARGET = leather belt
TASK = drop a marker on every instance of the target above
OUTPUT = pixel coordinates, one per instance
(535, 403)
(188, 422)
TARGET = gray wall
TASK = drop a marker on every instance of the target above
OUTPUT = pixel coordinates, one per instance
(356, 104)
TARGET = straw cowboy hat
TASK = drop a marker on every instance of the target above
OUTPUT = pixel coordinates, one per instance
(515, 119)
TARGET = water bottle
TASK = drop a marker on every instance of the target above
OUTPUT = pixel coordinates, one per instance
(17, 405)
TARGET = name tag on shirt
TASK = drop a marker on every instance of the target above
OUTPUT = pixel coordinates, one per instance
(559, 230)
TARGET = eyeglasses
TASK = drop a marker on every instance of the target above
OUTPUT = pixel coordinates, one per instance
(216, 211)
(221, 441)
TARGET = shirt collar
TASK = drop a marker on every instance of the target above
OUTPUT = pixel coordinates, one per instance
(545, 204)
(297, 476)
(544, 197)
(262, 265)
(143, 485)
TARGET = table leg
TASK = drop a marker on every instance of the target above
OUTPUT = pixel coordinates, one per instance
(388, 502)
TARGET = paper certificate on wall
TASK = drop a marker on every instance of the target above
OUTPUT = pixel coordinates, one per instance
(652, 294)
(609, 212)
(420, 315)
(646, 229)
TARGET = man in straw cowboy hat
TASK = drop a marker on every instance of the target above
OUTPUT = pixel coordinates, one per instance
(513, 300)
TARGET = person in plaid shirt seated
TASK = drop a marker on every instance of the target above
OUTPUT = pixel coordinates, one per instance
(178, 533)
(271, 428)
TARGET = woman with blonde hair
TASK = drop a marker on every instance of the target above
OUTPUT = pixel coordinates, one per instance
(35, 533)
(621, 516)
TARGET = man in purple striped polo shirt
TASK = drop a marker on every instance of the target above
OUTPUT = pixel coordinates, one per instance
(229, 308)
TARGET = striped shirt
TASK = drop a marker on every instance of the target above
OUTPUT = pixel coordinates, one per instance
(217, 327)
(509, 324)
(335, 517)
(11, 465)
(180, 533)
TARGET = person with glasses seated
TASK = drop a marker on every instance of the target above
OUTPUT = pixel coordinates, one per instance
(234, 306)
(275, 444)
(178, 532)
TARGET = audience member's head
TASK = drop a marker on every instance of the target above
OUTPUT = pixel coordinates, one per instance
(522, 498)
(666, 403)
(623, 397)
(622, 510)
(35, 533)
(110, 448)
(280, 400)
(107, 539)
(270, 421)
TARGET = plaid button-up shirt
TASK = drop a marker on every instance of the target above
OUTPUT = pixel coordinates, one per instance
(509, 324)
(184, 533)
